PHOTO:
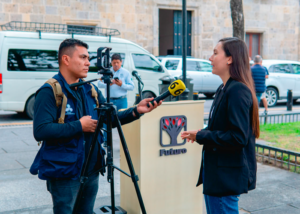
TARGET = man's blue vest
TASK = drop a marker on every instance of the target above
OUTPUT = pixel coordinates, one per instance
(259, 78)
(58, 158)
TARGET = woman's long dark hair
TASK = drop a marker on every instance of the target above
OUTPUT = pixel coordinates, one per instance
(240, 71)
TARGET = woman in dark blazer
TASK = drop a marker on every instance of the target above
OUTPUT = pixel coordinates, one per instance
(228, 166)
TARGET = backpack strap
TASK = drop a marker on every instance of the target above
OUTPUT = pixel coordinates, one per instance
(60, 98)
(94, 92)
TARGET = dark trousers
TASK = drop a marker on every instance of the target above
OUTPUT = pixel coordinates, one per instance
(64, 194)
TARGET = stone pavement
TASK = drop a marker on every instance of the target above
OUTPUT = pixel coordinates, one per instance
(277, 192)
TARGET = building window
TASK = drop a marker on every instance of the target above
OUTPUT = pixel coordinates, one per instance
(253, 43)
(81, 29)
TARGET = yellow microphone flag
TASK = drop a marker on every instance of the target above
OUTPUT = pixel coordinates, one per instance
(176, 88)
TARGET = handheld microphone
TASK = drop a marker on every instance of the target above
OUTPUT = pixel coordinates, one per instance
(176, 88)
(137, 76)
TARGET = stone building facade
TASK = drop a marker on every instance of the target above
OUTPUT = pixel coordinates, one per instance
(275, 22)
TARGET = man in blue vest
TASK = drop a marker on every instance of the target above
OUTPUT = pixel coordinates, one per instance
(66, 145)
(259, 77)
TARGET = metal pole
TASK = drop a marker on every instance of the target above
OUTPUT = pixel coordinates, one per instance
(289, 103)
(185, 94)
(184, 47)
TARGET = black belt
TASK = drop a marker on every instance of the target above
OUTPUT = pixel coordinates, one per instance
(116, 98)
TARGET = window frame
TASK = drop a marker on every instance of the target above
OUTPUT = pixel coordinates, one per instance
(81, 29)
(251, 41)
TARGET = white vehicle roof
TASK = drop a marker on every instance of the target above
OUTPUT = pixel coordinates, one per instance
(59, 36)
(268, 62)
(180, 58)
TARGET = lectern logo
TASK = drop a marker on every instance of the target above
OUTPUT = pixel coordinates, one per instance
(173, 125)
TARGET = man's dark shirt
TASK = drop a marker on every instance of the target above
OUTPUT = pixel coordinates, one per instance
(259, 78)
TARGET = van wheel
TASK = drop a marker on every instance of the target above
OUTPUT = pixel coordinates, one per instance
(271, 96)
(29, 107)
(147, 94)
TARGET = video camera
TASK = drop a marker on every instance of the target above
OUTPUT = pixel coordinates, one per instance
(103, 59)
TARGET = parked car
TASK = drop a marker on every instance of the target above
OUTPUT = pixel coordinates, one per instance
(29, 59)
(283, 75)
(199, 70)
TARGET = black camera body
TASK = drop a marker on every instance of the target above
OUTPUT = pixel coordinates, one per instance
(103, 59)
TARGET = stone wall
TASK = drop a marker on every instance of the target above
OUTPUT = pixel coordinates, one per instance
(278, 21)
(137, 20)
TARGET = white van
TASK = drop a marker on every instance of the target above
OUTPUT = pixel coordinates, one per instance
(28, 59)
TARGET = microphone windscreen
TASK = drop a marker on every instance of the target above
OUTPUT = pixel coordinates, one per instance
(176, 88)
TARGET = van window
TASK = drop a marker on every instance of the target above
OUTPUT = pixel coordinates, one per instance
(93, 60)
(32, 60)
(172, 64)
(144, 61)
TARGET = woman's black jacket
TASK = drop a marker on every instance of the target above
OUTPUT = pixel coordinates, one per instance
(229, 161)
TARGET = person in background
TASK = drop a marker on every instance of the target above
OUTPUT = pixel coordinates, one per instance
(228, 166)
(259, 77)
(263, 96)
(121, 83)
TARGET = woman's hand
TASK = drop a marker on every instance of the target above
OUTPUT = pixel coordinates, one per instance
(190, 135)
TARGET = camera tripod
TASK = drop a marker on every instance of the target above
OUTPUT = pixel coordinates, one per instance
(107, 112)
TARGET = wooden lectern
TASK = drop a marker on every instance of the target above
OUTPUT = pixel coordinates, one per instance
(168, 167)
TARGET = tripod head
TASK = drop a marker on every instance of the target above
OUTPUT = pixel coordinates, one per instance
(103, 61)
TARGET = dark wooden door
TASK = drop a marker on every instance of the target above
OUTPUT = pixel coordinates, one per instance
(178, 32)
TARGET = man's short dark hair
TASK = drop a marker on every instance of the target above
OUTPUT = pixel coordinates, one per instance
(67, 47)
(116, 57)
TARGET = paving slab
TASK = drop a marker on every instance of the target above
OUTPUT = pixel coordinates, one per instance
(268, 175)
(18, 146)
(47, 209)
(31, 142)
(286, 209)
(6, 164)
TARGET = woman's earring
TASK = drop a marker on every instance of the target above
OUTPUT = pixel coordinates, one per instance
(227, 63)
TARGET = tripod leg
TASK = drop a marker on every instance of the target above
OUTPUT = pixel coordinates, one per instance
(134, 177)
(84, 172)
(110, 159)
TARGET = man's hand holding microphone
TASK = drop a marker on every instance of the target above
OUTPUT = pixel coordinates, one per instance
(146, 105)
